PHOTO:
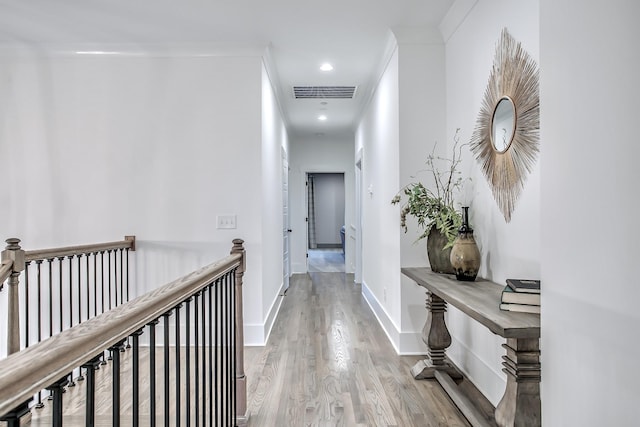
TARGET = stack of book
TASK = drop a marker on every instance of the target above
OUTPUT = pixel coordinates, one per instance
(521, 295)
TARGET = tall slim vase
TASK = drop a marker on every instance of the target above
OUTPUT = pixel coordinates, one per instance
(465, 255)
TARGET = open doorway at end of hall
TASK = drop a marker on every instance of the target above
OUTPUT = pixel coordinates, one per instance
(325, 222)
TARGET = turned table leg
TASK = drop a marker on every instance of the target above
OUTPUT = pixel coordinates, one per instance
(520, 405)
(437, 338)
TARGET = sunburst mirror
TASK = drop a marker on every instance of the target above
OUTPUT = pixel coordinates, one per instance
(506, 136)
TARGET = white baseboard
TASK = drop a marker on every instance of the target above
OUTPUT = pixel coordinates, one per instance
(257, 334)
(384, 320)
(405, 343)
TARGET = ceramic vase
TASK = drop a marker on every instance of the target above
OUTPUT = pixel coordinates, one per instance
(439, 259)
(465, 256)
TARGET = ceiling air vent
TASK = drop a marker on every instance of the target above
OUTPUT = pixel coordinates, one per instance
(322, 92)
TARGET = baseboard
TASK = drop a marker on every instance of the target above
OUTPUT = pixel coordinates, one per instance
(273, 312)
(257, 334)
(405, 343)
(384, 320)
(411, 344)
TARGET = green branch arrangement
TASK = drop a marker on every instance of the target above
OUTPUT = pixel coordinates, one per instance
(435, 208)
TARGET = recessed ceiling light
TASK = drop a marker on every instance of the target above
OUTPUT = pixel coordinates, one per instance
(322, 118)
(326, 67)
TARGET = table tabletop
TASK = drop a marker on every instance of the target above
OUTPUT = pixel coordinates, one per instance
(479, 300)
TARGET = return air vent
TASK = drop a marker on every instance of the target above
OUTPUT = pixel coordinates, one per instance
(322, 92)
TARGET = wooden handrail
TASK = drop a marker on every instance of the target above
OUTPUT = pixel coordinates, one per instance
(6, 267)
(43, 254)
(25, 373)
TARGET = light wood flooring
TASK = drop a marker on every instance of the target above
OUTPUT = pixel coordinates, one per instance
(326, 363)
(329, 363)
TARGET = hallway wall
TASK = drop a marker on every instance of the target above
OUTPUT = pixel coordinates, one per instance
(590, 64)
(508, 249)
(147, 142)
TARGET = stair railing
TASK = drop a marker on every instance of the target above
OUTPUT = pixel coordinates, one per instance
(212, 370)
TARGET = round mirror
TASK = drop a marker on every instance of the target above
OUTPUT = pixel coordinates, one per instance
(503, 124)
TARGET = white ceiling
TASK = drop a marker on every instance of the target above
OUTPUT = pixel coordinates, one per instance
(301, 35)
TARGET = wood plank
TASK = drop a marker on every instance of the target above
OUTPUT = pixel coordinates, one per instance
(479, 300)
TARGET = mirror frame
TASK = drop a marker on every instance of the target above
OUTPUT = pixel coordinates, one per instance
(515, 76)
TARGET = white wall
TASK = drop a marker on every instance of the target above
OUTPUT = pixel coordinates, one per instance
(378, 138)
(274, 140)
(149, 143)
(508, 250)
(422, 130)
(402, 125)
(319, 154)
(590, 63)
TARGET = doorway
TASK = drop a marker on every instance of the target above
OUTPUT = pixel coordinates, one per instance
(325, 222)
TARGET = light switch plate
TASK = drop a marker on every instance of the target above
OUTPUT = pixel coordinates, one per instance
(226, 221)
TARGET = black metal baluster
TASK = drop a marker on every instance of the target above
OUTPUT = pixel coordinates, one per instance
(127, 274)
(102, 294)
(152, 373)
(177, 380)
(121, 276)
(70, 257)
(204, 358)
(61, 305)
(166, 368)
(50, 264)
(95, 283)
(115, 384)
(115, 277)
(57, 389)
(109, 274)
(79, 261)
(216, 325)
(39, 404)
(102, 298)
(196, 365)
(187, 367)
(88, 283)
(26, 305)
(227, 368)
(234, 343)
(135, 399)
(110, 356)
(211, 366)
(12, 418)
(90, 399)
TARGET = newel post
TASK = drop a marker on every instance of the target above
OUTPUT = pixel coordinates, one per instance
(14, 254)
(241, 415)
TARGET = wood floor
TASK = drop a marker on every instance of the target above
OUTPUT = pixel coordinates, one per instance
(327, 363)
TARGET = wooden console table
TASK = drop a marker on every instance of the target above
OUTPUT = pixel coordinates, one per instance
(520, 405)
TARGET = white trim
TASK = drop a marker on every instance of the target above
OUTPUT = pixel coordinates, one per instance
(257, 334)
(411, 344)
(205, 49)
(405, 343)
(273, 312)
(455, 17)
(384, 320)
